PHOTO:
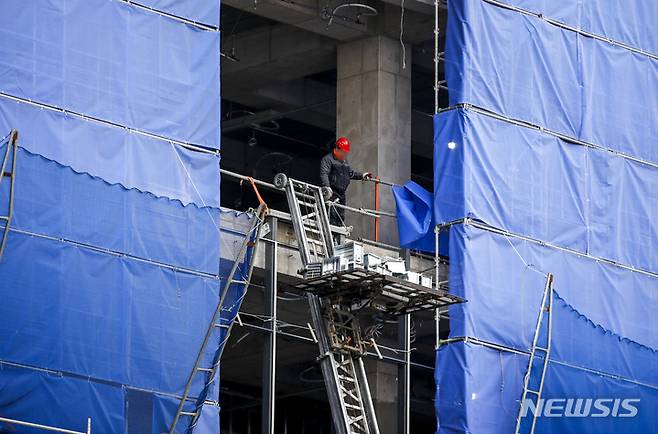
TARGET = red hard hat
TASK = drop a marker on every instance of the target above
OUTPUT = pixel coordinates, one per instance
(343, 144)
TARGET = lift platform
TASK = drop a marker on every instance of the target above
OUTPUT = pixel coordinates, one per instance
(389, 294)
(337, 298)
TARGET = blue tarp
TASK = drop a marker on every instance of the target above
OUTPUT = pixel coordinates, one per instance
(530, 199)
(525, 68)
(65, 402)
(478, 391)
(116, 62)
(114, 260)
(54, 200)
(150, 319)
(414, 213)
(532, 183)
(603, 317)
(115, 154)
(67, 299)
(631, 22)
(201, 11)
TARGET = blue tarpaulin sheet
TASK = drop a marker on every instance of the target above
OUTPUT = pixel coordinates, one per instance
(525, 68)
(53, 399)
(524, 196)
(116, 62)
(150, 319)
(115, 154)
(603, 313)
(200, 11)
(135, 309)
(478, 389)
(415, 219)
(56, 201)
(117, 250)
(533, 183)
(637, 28)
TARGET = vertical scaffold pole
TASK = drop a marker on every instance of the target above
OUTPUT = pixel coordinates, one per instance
(436, 56)
(437, 312)
(12, 149)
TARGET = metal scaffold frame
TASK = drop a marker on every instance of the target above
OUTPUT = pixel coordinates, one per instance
(272, 326)
(537, 349)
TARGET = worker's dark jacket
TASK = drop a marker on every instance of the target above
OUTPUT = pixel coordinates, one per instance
(336, 174)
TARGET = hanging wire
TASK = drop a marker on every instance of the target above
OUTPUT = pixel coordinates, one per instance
(189, 177)
(527, 264)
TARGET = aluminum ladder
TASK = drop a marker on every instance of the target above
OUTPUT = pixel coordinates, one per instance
(240, 275)
(10, 153)
(532, 388)
(339, 340)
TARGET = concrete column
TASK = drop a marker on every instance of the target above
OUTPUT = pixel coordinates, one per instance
(383, 382)
(374, 112)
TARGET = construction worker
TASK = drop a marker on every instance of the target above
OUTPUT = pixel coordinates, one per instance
(335, 177)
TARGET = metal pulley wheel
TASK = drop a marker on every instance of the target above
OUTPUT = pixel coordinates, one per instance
(280, 180)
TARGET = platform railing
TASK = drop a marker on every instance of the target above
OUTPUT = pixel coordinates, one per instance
(375, 214)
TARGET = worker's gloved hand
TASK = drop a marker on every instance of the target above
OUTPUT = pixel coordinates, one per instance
(367, 176)
(327, 192)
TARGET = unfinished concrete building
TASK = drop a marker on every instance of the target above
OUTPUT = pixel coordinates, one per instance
(292, 81)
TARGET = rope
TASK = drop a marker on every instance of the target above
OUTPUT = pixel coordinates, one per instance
(258, 196)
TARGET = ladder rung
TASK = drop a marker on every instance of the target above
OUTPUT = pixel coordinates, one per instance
(353, 407)
(534, 392)
(188, 413)
(542, 349)
(309, 204)
(205, 369)
(222, 326)
(242, 282)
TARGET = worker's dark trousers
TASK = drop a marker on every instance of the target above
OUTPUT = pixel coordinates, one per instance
(337, 215)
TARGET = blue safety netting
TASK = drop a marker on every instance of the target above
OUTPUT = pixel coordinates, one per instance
(548, 167)
(116, 62)
(526, 68)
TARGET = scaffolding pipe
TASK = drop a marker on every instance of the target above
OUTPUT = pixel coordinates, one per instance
(46, 427)
(436, 56)
(363, 211)
(437, 262)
